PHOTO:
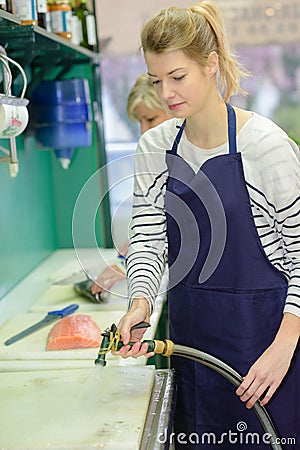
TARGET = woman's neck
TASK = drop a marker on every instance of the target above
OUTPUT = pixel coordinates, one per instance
(208, 128)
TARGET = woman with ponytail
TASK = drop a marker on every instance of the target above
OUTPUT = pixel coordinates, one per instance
(217, 195)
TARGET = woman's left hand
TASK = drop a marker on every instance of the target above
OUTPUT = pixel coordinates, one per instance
(265, 375)
(268, 371)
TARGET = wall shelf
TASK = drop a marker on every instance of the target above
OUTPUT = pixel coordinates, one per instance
(40, 51)
(47, 56)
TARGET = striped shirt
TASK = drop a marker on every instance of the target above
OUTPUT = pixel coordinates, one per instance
(271, 163)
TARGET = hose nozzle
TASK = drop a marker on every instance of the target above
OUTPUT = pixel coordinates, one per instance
(111, 341)
(109, 336)
(102, 351)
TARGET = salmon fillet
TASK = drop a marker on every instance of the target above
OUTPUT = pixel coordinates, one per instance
(75, 331)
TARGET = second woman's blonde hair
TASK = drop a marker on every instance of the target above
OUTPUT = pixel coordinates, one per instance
(198, 31)
(144, 92)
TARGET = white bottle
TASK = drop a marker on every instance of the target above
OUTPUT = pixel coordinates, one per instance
(26, 10)
(91, 29)
(76, 30)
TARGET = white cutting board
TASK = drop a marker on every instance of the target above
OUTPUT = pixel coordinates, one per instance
(94, 262)
(57, 297)
(75, 409)
(34, 345)
(30, 353)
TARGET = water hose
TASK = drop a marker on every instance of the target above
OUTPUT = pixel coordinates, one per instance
(236, 379)
(111, 341)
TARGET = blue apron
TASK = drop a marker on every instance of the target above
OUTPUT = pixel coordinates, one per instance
(225, 298)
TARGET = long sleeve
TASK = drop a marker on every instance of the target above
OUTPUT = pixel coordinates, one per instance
(273, 182)
(275, 200)
(147, 251)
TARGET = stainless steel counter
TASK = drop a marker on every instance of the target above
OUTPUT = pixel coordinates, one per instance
(158, 422)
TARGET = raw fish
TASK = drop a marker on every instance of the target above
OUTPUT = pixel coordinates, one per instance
(75, 331)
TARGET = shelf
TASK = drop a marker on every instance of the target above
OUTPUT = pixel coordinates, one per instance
(18, 37)
(41, 51)
(48, 56)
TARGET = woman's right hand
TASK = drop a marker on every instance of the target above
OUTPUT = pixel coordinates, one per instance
(111, 274)
(139, 312)
(107, 278)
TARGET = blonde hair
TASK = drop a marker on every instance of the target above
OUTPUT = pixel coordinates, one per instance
(198, 31)
(142, 91)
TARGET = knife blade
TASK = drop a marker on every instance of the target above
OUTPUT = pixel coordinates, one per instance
(76, 277)
(86, 274)
(51, 317)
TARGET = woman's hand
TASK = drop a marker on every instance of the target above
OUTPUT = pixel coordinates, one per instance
(123, 249)
(268, 371)
(139, 312)
(265, 375)
(111, 274)
(107, 278)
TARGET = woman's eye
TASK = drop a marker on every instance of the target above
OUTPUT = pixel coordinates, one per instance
(154, 82)
(179, 78)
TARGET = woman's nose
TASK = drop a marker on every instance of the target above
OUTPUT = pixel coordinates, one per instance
(166, 91)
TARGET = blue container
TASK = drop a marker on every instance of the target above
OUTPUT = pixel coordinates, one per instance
(74, 91)
(61, 113)
(64, 135)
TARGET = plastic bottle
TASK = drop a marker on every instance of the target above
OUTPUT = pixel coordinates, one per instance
(88, 26)
(26, 10)
(76, 25)
(48, 16)
(61, 16)
(41, 6)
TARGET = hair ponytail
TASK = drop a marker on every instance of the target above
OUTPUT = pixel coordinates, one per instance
(230, 69)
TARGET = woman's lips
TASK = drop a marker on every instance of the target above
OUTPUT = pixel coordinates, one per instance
(175, 106)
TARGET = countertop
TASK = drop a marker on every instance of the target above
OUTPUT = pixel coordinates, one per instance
(47, 397)
(34, 296)
(38, 282)
(33, 292)
(84, 409)
(75, 409)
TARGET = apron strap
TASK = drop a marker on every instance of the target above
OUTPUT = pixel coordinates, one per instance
(231, 131)
(231, 128)
(177, 138)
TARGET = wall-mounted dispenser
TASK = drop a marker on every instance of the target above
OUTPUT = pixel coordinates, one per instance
(13, 112)
(61, 116)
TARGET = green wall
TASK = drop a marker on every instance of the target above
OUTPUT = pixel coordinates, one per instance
(37, 206)
(67, 185)
(27, 218)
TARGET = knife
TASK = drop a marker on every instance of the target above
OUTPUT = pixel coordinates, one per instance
(51, 317)
(76, 277)
(82, 283)
(85, 274)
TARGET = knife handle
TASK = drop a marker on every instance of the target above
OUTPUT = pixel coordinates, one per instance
(65, 311)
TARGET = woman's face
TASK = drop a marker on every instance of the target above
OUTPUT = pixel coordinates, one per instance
(149, 117)
(180, 82)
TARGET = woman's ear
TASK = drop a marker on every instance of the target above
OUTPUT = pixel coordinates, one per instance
(212, 63)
